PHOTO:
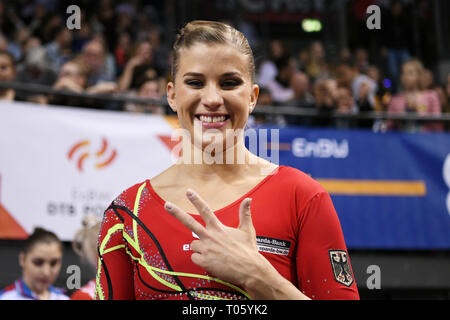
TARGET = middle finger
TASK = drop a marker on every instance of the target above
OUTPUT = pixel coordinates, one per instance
(207, 214)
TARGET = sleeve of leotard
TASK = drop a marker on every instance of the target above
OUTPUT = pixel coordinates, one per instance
(114, 280)
(323, 264)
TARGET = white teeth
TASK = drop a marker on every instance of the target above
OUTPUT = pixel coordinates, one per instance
(212, 119)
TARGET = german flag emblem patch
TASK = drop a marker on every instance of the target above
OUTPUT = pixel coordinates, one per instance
(341, 267)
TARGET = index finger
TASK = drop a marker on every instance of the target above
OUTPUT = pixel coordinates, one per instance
(185, 219)
(203, 209)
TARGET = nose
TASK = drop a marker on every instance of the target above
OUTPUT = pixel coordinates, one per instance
(46, 270)
(211, 98)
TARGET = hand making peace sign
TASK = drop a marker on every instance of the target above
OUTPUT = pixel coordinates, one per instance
(230, 254)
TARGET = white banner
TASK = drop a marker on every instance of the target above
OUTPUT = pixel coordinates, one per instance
(59, 164)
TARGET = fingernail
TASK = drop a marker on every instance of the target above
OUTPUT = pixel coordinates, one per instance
(189, 193)
(168, 206)
(249, 201)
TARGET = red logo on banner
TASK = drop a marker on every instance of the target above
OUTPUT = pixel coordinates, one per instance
(171, 144)
(80, 151)
(9, 227)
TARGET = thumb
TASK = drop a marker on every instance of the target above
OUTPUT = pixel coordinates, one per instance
(245, 215)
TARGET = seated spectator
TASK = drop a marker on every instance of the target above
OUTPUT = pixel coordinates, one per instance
(363, 87)
(279, 87)
(85, 246)
(16, 47)
(325, 97)
(40, 260)
(316, 66)
(94, 57)
(361, 60)
(30, 44)
(414, 99)
(148, 89)
(59, 50)
(300, 85)
(35, 70)
(139, 67)
(302, 98)
(7, 73)
(73, 77)
(268, 69)
(10, 46)
(109, 61)
(302, 59)
(382, 95)
(122, 51)
(345, 104)
(159, 51)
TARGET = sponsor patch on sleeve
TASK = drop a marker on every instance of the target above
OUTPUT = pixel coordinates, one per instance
(272, 245)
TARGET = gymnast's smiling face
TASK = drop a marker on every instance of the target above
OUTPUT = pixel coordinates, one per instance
(212, 89)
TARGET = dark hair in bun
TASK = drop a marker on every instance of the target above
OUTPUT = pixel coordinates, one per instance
(40, 235)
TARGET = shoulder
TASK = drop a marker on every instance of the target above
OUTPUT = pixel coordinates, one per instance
(9, 293)
(299, 179)
(58, 294)
(128, 196)
(297, 183)
(431, 95)
(122, 204)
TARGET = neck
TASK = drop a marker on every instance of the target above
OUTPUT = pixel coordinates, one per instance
(234, 161)
(41, 293)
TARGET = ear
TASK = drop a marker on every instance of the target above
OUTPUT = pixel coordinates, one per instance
(21, 259)
(171, 96)
(253, 97)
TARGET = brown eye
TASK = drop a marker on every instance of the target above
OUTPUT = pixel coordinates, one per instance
(231, 83)
(54, 262)
(194, 83)
(38, 262)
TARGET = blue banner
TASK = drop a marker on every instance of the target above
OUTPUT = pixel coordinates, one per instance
(390, 190)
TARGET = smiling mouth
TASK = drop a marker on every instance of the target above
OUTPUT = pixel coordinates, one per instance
(212, 118)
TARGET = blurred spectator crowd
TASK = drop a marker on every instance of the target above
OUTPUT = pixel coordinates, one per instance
(121, 49)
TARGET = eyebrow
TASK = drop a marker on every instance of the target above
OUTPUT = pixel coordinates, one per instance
(196, 74)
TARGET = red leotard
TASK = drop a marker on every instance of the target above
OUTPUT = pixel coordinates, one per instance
(144, 251)
(87, 292)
